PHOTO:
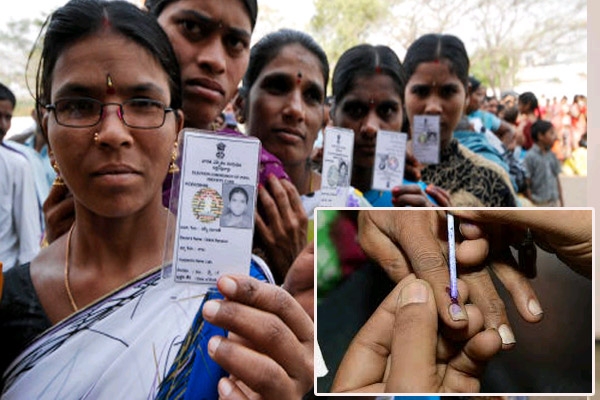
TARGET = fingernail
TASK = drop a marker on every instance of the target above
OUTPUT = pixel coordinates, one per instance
(534, 307)
(466, 225)
(225, 387)
(210, 308)
(414, 292)
(213, 344)
(228, 286)
(506, 334)
(457, 313)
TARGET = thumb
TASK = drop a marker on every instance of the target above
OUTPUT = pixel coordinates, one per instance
(413, 364)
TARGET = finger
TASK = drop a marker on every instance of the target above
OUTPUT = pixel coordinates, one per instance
(441, 197)
(411, 230)
(262, 228)
(230, 390)
(406, 189)
(264, 331)
(270, 208)
(280, 195)
(408, 200)
(413, 365)
(471, 231)
(55, 196)
(555, 222)
(371, 346)
(380, 248)
(293, 196)
(472, 253)
(447, 345)
(464, 371)
(265, 376)
(268, 298)
(519, 287)
(484, 295)
(59, 217)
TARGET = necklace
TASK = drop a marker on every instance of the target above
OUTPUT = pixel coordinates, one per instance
(67, 286)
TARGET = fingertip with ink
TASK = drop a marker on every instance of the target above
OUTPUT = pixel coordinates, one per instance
(457, 313)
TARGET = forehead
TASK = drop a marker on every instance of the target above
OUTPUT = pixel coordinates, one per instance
(294, 59)
(232, 13)
(6, 107)
(434, 71)
(368, 85)
(88, 62)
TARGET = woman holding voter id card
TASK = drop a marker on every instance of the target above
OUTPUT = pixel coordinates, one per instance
(436, 70)
(368, 86)
(91, 315)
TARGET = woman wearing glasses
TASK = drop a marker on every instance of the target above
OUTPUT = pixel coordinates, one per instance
(100, 320)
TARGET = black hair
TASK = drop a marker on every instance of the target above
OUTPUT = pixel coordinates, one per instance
(269, 46)
(511, 114)
(156, 7)
(366, 60)
(80, 19)
(474, 82)
(436, 47)
(239, 189)
(529, 99)
(7, 94)
(540, 127)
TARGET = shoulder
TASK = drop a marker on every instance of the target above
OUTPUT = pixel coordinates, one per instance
(479, 161)
(13, 156)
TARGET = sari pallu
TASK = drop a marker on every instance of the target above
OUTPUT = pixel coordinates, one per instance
(147, 337)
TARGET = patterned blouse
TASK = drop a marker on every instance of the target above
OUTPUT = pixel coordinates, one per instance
(471, 180)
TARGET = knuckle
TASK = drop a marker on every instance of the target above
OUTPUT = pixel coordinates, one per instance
(494, 307)
(429, 261)
(248, 289)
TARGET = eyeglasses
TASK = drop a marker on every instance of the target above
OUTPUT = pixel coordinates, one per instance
(83, 112)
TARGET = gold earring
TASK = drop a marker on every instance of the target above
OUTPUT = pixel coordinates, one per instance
(58, 181)
(173, 168)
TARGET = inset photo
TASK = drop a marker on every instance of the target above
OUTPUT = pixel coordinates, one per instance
(478, 301)
(239, 206)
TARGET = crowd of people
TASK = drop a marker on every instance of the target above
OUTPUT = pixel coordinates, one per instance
(84, 231)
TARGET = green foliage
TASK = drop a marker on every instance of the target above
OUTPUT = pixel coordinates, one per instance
(341, 24)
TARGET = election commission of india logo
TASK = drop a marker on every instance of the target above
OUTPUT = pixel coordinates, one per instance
(207, 205)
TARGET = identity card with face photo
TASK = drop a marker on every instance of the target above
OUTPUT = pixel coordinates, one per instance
(390, 153)
(426, 138)
(215, 209)
(338, 147)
